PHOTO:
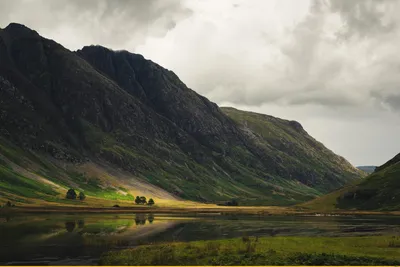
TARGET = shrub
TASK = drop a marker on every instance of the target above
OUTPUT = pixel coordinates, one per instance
(143, 200)
(82, 196)
(151, 202)
(71, 194)
(234, 203)
(137, 200)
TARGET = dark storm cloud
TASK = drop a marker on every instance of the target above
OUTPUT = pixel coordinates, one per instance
(112, 23)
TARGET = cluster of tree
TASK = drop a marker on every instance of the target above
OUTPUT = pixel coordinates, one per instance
(142, 200)
(71, 194)
(233, 202)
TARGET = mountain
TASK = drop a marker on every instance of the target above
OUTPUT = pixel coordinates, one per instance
(113, 125)
(367, 169)
(378, 191)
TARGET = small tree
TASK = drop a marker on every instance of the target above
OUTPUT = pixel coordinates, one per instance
(82, 196)
(234, 202)
(71, 194)
(151, 202)
(137, 200)
(143, 200)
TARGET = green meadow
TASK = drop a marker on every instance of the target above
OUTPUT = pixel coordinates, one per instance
(371, 250)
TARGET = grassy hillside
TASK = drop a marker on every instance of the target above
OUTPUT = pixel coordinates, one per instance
(378, 191)
(293, 148)
(113, 125)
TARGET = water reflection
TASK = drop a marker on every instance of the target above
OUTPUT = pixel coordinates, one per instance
(81, 223)
(141, 219)
(76, 236)
(70, 226)
(151, 218)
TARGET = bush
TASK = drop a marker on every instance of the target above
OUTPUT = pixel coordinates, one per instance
(151, 202)
(233, 202)
(137, 200)
(71, 194)
(143, 200)
(140, 200)
(82, 196)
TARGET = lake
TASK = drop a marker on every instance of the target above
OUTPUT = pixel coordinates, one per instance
(80, 239)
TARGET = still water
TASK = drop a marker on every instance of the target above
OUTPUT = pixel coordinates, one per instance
(55, 239)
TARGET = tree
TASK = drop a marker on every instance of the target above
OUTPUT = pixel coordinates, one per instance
(151, 202)
(234, 202)
(137, 200)
(71, 194)
(82, 196)
(143, 200)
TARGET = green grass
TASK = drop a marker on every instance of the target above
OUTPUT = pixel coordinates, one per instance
(379, 191)
(14, 183)
(91, 186)
(371, 250)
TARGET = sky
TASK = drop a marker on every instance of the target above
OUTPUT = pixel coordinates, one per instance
(332, 65)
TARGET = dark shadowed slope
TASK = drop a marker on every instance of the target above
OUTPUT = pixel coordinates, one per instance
(378, 191)
(62, 111)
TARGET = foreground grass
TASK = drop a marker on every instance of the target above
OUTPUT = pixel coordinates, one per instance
(371, 250)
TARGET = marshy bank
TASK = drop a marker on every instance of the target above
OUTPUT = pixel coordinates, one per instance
(376, 250)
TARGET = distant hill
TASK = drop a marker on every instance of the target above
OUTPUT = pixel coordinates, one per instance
(378, 191)
(367, 169)
(114, 125)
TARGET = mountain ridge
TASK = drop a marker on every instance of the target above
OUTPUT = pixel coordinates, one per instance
(118, 108)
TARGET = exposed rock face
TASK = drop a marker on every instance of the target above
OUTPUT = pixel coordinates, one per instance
(118, 107)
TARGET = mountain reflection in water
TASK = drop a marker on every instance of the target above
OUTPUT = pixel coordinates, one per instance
(80, 239)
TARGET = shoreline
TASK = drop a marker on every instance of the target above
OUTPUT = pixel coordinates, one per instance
(262, 211)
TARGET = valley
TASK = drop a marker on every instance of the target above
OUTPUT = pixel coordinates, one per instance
(108, 158)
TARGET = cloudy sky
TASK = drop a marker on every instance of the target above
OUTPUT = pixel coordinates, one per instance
(333, 65)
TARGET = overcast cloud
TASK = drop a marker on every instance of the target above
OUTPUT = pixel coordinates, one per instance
(333, 65)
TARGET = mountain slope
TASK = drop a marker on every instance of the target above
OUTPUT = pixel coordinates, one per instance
(378, 191)
(295, 150)
(61, 111)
